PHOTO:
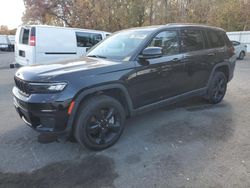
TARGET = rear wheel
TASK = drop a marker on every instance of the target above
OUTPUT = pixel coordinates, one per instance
(242, 55)
(100, 122)
(217, 88)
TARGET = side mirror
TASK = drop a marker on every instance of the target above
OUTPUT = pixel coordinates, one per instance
(151, 53)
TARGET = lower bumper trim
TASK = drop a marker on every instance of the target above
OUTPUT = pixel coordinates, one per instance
(40, 128)
(25, 121)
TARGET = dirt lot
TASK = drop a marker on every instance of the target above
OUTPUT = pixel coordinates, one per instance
(190, 144)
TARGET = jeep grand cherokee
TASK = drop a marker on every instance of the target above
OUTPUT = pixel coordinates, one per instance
(130, 72)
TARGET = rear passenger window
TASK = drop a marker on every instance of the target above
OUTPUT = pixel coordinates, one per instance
(215, 39)
(191, 40)
(168, 41)
(24, 37)
(87, 39)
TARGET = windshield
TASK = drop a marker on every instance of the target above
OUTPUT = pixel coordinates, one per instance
(120, 46)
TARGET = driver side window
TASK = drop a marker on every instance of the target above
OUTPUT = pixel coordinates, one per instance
(168, 41)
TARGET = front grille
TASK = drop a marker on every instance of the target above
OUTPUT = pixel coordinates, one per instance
(22, 85)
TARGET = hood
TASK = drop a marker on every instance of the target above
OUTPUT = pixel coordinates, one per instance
(84, 65)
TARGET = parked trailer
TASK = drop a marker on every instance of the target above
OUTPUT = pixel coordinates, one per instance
(241, 36)
(42, 44)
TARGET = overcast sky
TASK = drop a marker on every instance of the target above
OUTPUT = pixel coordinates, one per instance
(11, 12)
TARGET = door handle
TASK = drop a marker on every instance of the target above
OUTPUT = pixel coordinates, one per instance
(176, 60)
(211, 54)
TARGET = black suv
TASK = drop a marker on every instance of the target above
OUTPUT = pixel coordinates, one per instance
(131, 71)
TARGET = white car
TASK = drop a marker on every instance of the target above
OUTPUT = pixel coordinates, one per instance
(41, 44)
(240, 49)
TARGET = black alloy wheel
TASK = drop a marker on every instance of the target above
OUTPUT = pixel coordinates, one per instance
(217, 88)
(104, 125)
(100, 122)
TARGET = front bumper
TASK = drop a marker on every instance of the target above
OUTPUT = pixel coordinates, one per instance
(43, 117)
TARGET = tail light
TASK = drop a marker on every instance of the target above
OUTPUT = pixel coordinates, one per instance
(33, 37)
(32, 40)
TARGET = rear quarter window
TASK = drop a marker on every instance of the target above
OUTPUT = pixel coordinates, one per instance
(227, 41)
(85, 39)
(216, 39)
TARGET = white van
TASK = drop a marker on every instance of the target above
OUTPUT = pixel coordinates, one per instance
(11, 39)
(12, 42)
(41, 44)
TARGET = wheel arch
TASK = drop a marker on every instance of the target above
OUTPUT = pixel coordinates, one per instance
(243, 52)
(223, 67)
(115, 90)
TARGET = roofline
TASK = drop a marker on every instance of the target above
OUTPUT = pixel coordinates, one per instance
(174, 25)
(195, 25)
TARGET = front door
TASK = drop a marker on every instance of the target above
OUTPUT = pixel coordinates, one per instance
(162, 77)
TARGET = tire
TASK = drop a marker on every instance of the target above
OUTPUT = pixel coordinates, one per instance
(242, 55)
(217, 88)
(100, 122)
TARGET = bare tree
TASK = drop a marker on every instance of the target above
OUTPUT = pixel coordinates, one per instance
(113, 15)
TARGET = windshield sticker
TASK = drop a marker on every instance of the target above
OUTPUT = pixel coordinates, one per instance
(137, 36)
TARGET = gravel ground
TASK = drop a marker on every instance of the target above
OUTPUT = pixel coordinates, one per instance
(6, 58)
(190, 144)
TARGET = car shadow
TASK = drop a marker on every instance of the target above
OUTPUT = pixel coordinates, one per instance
(187, 121)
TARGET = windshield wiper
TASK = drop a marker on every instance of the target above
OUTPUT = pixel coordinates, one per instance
(97, 56)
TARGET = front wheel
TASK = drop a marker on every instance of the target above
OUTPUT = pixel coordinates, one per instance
(241, 56)
(100, 122)
(217, 88)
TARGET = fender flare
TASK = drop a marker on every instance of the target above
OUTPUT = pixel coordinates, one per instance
(216, 67)
(78, 99)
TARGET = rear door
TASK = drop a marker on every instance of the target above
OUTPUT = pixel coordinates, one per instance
(55, 44)
(86, 40)
(24, 52)
(197, 65)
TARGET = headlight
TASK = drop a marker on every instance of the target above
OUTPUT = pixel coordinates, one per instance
(47, 87)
